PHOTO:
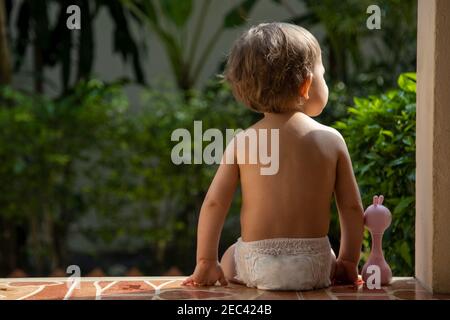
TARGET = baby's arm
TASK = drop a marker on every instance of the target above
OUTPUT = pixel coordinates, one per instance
(351, 216)
(212, 216)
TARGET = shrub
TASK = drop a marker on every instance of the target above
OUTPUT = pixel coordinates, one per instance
(42, 143)
(162, 199)
(380, 134)
(84, 164)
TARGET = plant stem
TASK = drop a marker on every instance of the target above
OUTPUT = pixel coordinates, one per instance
(172, 48)
(204, 56)
(198, 29)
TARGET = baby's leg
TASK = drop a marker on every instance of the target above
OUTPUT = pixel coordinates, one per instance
(333, 265)
(228, 265)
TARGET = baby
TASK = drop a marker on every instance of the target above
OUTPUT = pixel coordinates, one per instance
(276, 69)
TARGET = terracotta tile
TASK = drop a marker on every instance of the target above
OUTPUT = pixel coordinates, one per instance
(170, 288)
(166, 283)
(363, 297)
(412, 295)
(87, 291)
(278, 295)
(367, 290)
(127, 287)
(315, 295)
(403, 283)
(192, 294)
(345, 289)
(51, 292)
(129, 297)
(8, 292)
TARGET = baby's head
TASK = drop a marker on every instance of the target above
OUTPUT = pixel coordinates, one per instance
(277, 68)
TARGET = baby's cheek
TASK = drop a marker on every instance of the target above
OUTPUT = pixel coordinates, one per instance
(324, 95)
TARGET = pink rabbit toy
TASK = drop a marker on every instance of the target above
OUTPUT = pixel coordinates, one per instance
(377, 219)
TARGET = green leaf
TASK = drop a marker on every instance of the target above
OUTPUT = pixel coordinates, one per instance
(380, 135)
(405, 253)
(177, 11)
(23, 117)
(407, 81)
(387, 133)
(60, 159)
(142, 10)
(402, 205)
(366, 168)
(360, 102)
(124, 42)
(411, 107)
(239, 14)
(399, 161)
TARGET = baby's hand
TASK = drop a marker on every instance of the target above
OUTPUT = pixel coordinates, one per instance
(346, 272)
(206, 273)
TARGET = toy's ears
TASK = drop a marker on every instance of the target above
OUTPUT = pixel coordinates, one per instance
(375, 200)
(378, 200)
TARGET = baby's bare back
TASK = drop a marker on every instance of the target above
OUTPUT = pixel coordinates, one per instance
(296, 201)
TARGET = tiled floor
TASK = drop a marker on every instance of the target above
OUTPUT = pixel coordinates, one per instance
(162, 288)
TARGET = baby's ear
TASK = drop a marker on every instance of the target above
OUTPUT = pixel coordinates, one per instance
(305, 86)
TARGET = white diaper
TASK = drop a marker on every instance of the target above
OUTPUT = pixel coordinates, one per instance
(284, 263)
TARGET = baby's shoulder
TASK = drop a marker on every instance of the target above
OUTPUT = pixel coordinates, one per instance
(329, 131)
(328, 135)
(251, 130)
(332, 132)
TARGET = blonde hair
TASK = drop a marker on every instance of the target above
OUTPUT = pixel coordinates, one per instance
(268, 63)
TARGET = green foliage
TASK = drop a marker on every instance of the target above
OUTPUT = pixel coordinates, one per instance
(177, 11)
(85, 161)
(166, 195)
(55, 44)
(42, 143)
(353, 52)
(168, 20)
(380, 134)
(85, 157)
(360, 61)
